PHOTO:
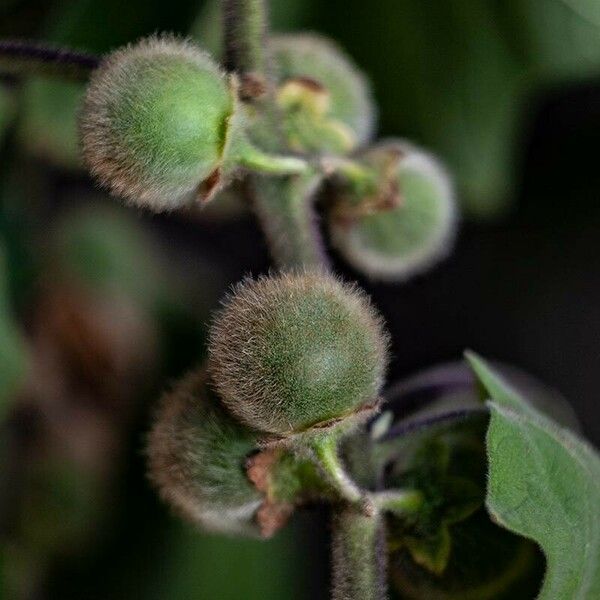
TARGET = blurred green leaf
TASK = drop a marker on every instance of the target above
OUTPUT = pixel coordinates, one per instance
(108, 248)
(544, 484)
(442, 469)
(48, 124)
(553, 41)
(588, 9)
(7, 108)
(13, 352)
(48, 128)
(457, 77)
(486, 563)
(199, 565)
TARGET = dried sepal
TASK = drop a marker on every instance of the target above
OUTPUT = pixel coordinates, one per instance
(407, 226)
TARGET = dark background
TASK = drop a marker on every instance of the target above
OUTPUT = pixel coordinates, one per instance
(509, 94)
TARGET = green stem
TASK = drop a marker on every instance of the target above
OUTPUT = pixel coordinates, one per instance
(326, 453)
(284, 207)
(269, 164)
(403, 503)
(18, 57)
(284, 210)
(361, 178)
(245, 29)
(359, 555)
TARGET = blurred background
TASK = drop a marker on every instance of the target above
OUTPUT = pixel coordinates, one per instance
(101, 307)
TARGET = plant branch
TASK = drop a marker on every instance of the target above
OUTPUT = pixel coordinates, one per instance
(23, 58)
(269, 164)
(402, 503)
(359, 555)
(327, 458)
(284, 207)
(284, 210)
(245, 30)
(445, 418)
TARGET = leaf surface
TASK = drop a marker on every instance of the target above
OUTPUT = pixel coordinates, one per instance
(544, 484)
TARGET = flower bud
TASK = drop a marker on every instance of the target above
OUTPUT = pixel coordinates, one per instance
(309, 57)
(308, 125)
(400, 236)
(297, 351)
(197, 454)
(156, 122)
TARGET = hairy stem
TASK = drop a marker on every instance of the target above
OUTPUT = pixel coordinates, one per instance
(284, 207)
(402, 503)
(270, 164)
(359, 556)
(326, 454)
(284, 210)
(19, 57)
(245, 30)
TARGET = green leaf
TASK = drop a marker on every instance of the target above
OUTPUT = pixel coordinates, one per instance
(7, 109)
(450, 498)
(475, 66)
(588, 9)
(13, 352)
(431, 552)
(544, 484)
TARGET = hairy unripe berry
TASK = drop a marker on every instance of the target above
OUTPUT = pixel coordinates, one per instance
(398, 241)
(156, 121)
(313, 57)
(297, 350)
(197, 453)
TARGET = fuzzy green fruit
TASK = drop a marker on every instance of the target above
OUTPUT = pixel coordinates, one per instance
(313, 57)
(397, 242)
(156, 122)
(295, 351)
(197, 454)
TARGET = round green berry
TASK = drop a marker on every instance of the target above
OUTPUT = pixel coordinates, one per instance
(155, 122)
(297, 350)
(197, 455)
(309, 57)
(417, 231)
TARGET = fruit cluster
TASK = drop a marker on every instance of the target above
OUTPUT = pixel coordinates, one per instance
(163, 126)
(295, 360)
